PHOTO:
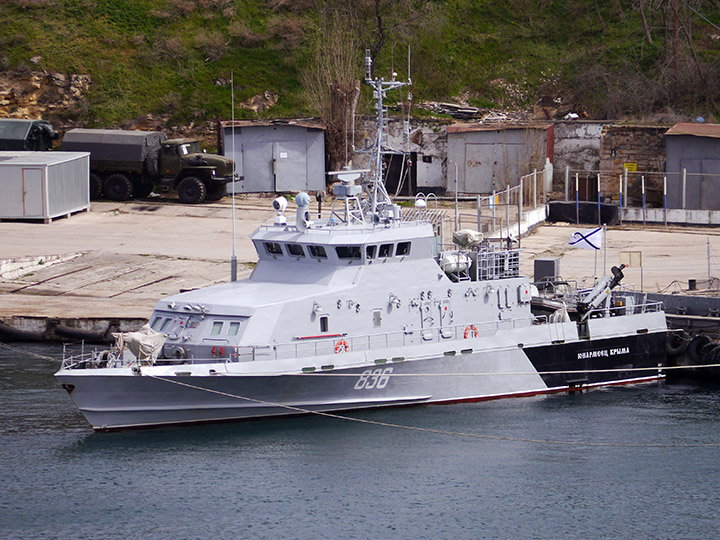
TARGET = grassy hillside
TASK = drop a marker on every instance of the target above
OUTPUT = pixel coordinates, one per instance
(618, 58)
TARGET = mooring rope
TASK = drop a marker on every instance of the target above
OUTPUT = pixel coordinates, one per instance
(441, 431)
(29, 353)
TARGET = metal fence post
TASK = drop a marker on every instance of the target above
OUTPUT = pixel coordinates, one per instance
(479, 213)
(665, 197)
(625, 190)
(535, 188)
(577, 198)
(643, 198)
(520, 213)
(494, 200)
(684, 186)
(567, 181)
(621, 201)
(599, 209)
(507, 211)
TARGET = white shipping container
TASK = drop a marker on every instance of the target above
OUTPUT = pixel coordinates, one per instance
(43, 185)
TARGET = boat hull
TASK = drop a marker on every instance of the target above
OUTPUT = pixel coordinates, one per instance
(116, 400)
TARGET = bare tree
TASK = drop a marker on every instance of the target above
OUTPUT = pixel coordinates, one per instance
(331, 81)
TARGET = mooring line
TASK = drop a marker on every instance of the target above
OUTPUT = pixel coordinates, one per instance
(440, 431)
(22, 351)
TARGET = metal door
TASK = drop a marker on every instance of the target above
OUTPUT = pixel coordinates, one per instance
(290, 166)
(257, 163)
(479, 168)
(694, 185)
(711, 180)
(33, 195)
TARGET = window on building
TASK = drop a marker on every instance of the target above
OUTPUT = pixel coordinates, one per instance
(427, 159)
(324, 323)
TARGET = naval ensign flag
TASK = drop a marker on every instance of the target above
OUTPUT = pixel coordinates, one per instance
(587, 239)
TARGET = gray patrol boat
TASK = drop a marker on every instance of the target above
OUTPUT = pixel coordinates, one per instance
(363, 310)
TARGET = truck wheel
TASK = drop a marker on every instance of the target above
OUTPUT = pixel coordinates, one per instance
(96, 187)
(191, 190)
(118, 187)
(216, 191)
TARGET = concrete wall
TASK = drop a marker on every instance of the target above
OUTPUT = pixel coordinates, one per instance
(426, 142)
(577, 145)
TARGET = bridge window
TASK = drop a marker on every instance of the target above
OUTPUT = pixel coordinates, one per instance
(318, 252)
(234, 328)
(370, 252)
(273, 248)
(324, 323)
(386, 250)
(348, 252)
(295, 250)
(216, 328)
(403, 248)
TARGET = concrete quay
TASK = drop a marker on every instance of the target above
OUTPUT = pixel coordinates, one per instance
(104, 270)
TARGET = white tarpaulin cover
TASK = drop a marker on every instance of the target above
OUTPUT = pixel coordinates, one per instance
(145, 344)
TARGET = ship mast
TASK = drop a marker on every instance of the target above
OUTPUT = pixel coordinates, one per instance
(378, 193)
(377, 206)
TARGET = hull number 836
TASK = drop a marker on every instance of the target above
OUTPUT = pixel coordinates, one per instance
(373, 378)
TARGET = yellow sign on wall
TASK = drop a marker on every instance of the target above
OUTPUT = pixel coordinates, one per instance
(631, 167)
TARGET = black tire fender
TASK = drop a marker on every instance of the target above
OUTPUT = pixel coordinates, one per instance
(677, 342)
(696, 345)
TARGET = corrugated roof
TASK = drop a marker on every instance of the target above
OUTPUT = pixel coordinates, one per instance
(697, 130)
(464, 128)
(311, 123)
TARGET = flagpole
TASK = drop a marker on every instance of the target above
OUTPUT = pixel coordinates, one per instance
(604, 250)
(595, 270)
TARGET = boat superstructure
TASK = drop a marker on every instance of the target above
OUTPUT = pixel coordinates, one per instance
(363, 310)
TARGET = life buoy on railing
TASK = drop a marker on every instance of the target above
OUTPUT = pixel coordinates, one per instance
(341, 346)
(470, 331)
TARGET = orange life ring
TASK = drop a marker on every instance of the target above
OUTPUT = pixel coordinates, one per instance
(341, 346)
(470, 331)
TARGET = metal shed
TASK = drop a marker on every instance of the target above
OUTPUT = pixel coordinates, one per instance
(695, 148)
(43, 185)
(286, 155)
(492, 157)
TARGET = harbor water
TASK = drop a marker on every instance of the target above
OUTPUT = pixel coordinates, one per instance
(626, 462)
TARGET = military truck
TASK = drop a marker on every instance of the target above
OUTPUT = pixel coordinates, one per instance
(126, 164)
(26, 135)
